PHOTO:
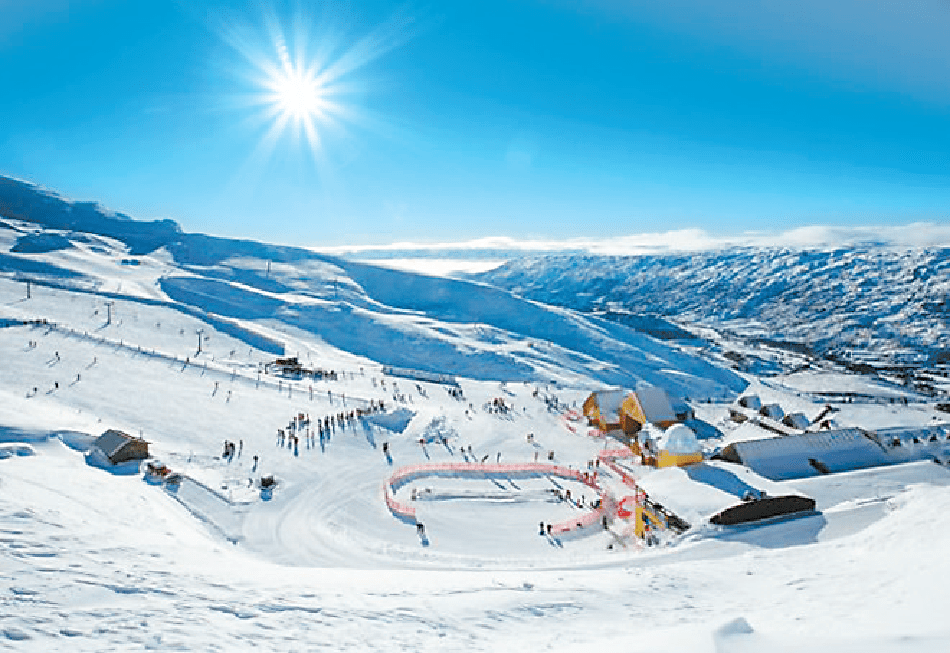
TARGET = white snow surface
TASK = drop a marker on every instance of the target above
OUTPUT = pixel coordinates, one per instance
(101, 558)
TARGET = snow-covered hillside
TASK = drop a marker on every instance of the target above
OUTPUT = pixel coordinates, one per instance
(393, 317)
(107, 323)
(867, 298)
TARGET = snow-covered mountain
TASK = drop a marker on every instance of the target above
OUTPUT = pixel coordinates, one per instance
(865, 298)
(392, 317)
(418, 525)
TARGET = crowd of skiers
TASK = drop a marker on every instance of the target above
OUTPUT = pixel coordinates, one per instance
(301, 426)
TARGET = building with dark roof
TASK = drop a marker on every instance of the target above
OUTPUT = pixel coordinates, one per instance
(119, 447)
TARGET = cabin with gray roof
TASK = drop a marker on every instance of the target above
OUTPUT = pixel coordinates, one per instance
(796, 421)
(119, 447)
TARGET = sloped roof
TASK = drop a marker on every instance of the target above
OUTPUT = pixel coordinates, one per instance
(787, 457)
(906, 434)
(655, 404)
(693, 501)
(772, 410)
(750, 401)
(797, 421)
(697, 492)
(111, 441)
(609, 401)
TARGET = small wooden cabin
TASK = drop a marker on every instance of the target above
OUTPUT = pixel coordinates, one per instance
(120, 447)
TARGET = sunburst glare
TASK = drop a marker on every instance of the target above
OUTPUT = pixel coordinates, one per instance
(302, 75)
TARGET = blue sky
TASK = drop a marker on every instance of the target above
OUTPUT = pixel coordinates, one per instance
(444, 122)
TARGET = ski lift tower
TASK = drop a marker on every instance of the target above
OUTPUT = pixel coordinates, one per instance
(199, 333)
(109, 312)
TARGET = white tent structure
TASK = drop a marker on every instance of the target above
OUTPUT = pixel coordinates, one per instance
(679, 439)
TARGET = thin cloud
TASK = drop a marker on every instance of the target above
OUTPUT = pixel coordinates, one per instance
(913, 235)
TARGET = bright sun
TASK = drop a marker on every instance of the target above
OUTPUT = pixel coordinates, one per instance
(298, 94)
(300, 80)
(295, 88)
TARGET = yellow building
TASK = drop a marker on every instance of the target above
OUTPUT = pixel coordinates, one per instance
(678, 446)
(627, 411)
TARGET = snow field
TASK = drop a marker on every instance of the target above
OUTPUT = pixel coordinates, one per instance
(92, 560)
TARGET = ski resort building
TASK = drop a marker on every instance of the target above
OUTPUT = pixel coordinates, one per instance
(796, 421)
(286, 366)
(621, 410)
(772, 411)
(905, 444)
(119, 447)
(678, 446)
(905, 436)
(655, 407)
(609, 410)
(808, 454)
(752, 402)
(716, 492)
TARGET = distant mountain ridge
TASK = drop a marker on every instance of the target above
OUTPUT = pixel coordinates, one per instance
(22, 200)
(260, 292)
(867, 298)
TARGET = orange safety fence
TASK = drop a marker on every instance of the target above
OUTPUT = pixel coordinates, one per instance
(621, 452)
(607, 507)
(517, 470)
(609, 456)
(401, 510)
(585, 521)
(410, 473)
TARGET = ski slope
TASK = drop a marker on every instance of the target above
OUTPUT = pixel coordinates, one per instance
(96, 559)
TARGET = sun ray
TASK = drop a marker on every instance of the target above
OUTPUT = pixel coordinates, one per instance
(301, 81)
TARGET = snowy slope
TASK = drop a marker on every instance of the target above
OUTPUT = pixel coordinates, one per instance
(102, 559)
(393, 317)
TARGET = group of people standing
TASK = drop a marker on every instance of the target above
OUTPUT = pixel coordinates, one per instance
(231, 450)
(322, 428)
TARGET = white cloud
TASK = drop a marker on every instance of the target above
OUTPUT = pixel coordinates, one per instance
(917, 234)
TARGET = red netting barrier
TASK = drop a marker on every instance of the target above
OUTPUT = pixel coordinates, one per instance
(584, 521)
(622, 452)
(609, 456)
(401, 510)
(477, 470)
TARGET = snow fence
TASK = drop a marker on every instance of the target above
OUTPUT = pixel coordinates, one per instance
(404, 475)
(609, 457)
